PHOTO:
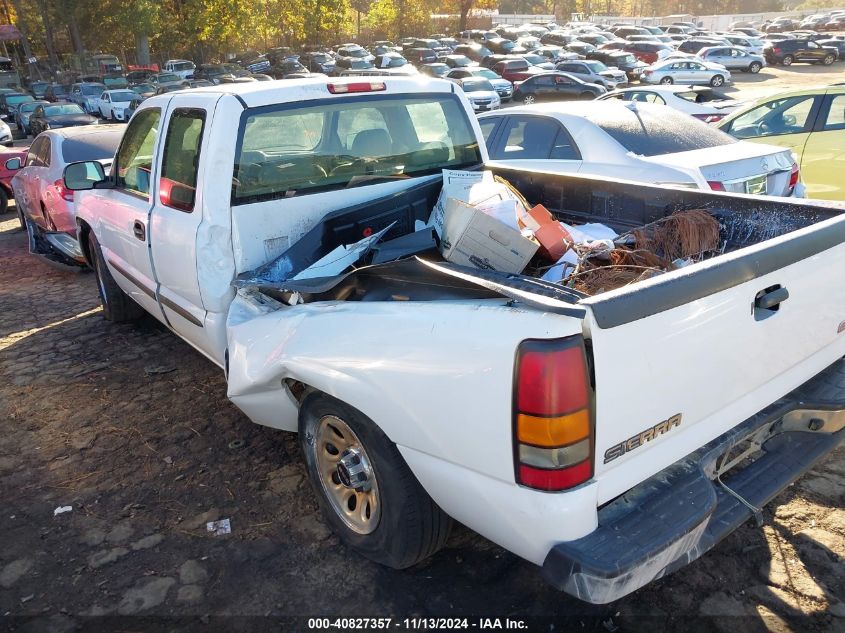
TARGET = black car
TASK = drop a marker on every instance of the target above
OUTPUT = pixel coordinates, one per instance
(9, 102)
(555, 86)
(692, 46)
(133, 105)
(288, 69)
(781, 25)
(502, 46)
(787, 52)
(213, 72)
(476, 52)
(349, 65)
(139, 76)
(318, 62)
(435, 70)
(56, 92)
(57, 115)
(624, 61)
(419, 55)
(37, 88)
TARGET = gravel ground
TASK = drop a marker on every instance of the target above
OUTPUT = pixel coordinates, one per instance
(131, 428)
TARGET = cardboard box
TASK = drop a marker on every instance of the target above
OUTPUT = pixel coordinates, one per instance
(472, 238)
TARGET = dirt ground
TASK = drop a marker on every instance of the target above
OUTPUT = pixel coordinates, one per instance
(131, 428)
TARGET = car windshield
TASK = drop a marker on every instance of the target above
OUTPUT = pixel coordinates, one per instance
(535, 59)
(623, 59)
(183, 66)
(390, 61)
(595, 66)
(98, 146)
(460, 60)
(360, 64)
(355, 52)
(166, 77)
(16, 99)
(65, 108)
(486, 73)
(116, 82)
(92, 90)
(285, 151)
(123, 95)
(141, 88)
(657, 130)
(59, 90)
(321, 58)
(29, 107)
(477, 85)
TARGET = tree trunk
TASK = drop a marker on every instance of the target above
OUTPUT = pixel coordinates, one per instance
(142, 49)
(76, 36)
(49, 35)
(27, 49)
(465, 7)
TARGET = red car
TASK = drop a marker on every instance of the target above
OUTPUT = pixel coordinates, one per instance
(6, 175)
(516, 70)
(648, 52)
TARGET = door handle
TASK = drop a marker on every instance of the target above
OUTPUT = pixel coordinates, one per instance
(767, 302)
(139, 231)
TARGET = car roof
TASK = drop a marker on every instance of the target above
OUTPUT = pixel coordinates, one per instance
(80, 132)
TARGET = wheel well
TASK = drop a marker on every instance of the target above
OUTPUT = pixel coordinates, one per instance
(82, 235)
(297, 390)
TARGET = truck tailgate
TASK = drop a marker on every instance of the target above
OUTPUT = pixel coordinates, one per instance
(684, 357)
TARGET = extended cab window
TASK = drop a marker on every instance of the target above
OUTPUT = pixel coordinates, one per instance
(180, 164)
(134, 161)
(289, 149)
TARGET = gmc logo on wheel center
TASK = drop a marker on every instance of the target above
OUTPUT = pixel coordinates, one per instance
(635, 441)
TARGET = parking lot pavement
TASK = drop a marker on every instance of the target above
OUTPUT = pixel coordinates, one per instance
(131, 428)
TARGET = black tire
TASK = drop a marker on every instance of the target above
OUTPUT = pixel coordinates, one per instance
(787, 60)
(117, 305)
(666, 81)
(717, 80)
(828, 60)
(411, 527)
(4, 202)
(755, 68)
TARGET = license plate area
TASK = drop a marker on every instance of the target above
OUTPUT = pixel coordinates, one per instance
(743, 452)
(756, 185)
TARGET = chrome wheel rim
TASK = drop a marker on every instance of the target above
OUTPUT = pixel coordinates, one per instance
(529, 100)
(346, 475)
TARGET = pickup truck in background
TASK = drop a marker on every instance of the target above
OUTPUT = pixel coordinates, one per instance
(608, 439)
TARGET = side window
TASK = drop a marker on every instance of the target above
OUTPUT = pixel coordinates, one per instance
(134, 161)
(180, 164)
(782, 116)
(564, 147)
(32, 155)
(487, 127)
(836, 115)
(44, 153)
(528, 138)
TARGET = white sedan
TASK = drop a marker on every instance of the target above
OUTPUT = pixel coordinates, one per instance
(642, 142)
(112, 104)
(702, 102)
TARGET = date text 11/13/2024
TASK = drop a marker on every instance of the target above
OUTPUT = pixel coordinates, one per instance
(421, 623)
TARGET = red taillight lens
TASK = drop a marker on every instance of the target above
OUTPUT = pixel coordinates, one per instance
(553, 431)
(715, 185)
(794, 176)
(777, 51)
(359, 86)
(648, 72)
(64, 193)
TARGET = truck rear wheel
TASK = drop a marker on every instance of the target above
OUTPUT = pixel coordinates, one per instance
(365, 489)
(117, 305)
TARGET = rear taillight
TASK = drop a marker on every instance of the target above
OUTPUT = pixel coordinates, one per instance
(794, 176)
(715, 185)
(64, 192)
(777, 51)
(553, 428)
(360, 86)
(709, 118)
(648, 72)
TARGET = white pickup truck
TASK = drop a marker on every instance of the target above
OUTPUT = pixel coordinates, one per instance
(609, 439)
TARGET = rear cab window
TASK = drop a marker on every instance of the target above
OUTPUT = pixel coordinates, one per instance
(289, 149)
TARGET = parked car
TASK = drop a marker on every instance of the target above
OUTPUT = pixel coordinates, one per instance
(748, 44)
(354, 51)
(138, 100)
(393, 63)
(6, 175)
(502, 86)
(515, 70)
(836, 23)
(165, 79)
(459, 61)
(213, 72)
(289, 69)
(139, 76)
(604, 504)
(86, 95)
(59, 115)
(701, 102)
(476, 52)
(184, 68)
(9, 102)
(815, 22)
(810, 123)
(538, 60)
(56, 92)
(781, 25)
(787, 52)
(418, 56)
(318, 62)
(686, 72)
(37, 88)
(622, 60)
(47, 206)
(594, 72)
(6, 138)
(351, 65)
(839, 45)
(480, 93)
(748, 31)
(648, 52)
(733, 58)
(23, 113)
(555, 86)
(435, 70)
(637, 141)
(113, 103)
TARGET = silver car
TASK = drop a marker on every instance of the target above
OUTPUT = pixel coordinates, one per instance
(686, 72)
(733, 58)
(503, 87)
(595, 72)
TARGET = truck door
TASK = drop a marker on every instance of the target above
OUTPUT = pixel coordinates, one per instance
(175, 218)
(123, 211)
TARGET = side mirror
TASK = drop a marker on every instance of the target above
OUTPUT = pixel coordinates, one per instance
(4, 117)
(13, 164)
(83, 175)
